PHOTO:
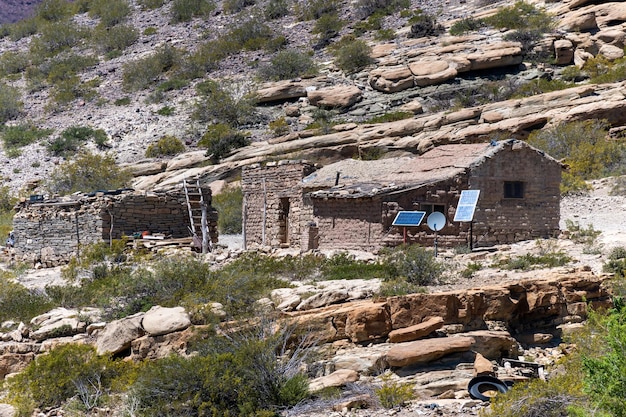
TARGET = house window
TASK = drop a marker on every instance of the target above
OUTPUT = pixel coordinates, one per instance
(430, 208)
(513, 189)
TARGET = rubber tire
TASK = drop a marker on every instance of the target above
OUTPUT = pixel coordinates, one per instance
(480, 384)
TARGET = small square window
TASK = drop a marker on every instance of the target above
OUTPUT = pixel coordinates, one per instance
(513, 189)
(430, 208)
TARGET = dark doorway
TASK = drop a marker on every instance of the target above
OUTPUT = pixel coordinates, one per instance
(283, 222)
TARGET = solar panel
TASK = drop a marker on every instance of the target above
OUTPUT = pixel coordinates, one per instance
(467, 206)
(409, 218)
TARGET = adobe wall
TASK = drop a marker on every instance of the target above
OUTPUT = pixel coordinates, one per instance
(366, 223)
(266, 189)
(505, 220)
(53, 231)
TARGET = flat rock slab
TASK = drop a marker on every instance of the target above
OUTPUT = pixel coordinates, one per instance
(426, 350)
(417, 331)
(161, 320)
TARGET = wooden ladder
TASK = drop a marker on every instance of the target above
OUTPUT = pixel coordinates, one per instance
(197, 213)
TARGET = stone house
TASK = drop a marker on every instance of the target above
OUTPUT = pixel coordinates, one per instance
(52, 231)
(351, 204)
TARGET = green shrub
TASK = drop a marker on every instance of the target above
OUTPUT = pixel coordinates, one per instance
(415, 264)
(124, 101)
(110, 12)
(468, 24)
(166, 146)
(185, 10)
(224, 103)
(345, 266)
(521, 16)
(53, 10)
(17, 302)
(393, 394)
(365, 8)
(88, 172)
(172, 84)
(250, 35)
(13, 62)
(540, 86)
(228, 204)
(314, 9)
(205, 58)
(616, 263)
(140, 74)
(275, 9)
(585, 235)
(327, 26)
(56, 37)
(530, 261)
(220, 140)
(166, 111)
(150, 30)
(151, 4)
(390, 117)
(22, 135)
(116, 38)
(65, 67)
(352, 55)
(572, 73)
(10, 103)
(235, 6)
(471, 269)
(71, 139)
(602, 70)
(584, 147)
(279, 127)
(288, 64)
(247, 374)
(66, 371)
(385, 35)
(424, 24)
(22, 29)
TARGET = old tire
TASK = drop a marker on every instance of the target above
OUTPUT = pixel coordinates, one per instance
(486, 387)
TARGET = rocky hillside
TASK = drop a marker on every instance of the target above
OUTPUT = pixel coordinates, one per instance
(142, 75)
(14, 10)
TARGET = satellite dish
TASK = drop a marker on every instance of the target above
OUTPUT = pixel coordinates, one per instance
(436, 221)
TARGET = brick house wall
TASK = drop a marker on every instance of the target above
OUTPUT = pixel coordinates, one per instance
(52, 232)
(535, 214)
(273, 204)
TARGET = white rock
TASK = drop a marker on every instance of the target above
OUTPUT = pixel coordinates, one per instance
(161, 320)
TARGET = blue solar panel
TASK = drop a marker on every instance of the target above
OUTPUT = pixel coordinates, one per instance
(409, 218)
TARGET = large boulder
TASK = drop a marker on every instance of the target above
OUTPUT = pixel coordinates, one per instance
(7, 410)
(391, 79)
(161, 320)
(56, 323)
(417, 331)
(426, 350)
(335, 97)
(279, 91)
(336, 379)
(11, 363)
(118, 335)
(370, 322)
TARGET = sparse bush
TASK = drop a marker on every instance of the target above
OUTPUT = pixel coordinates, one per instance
(250, 35)
(166, 111)
(365, 8)
(17, 302)
(88, 172)
(288, 64)
(66, 371)
(185, 10)
(235, 6)
(228, 204)
(468, 24)
(540, 86)
(471, 269)
(279, 126)
(53, 10)
(352, 55)
(415, 264)
(314, 9)
(10, 103)
(602, 70)
(345, 266)
(71, 139)
(110, 12)
(424, 24)
(139, 74)
(150, 30)
(13, 62)
(275, 9)
(616, 262)
(393, 394)
(56, 37)
(227, 104)
(390, 117)
(116, 38)
(166, 146)
(572, 74)
(124, 101)
(327, 26)
(579, 234)
(205, 58)
(151, 4)
(22, 28)
(584, 147)
(220, 140)
(65, 67)
(172, 84)
(521, 16)
(530, 261)
(22, 135)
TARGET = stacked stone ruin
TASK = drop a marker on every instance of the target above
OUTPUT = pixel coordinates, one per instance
(52, 231)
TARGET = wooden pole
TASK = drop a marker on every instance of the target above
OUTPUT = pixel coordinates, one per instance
(264, 213)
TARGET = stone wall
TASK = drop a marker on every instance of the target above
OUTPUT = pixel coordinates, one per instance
(52, 232)
(506, 220)
(273, 204)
